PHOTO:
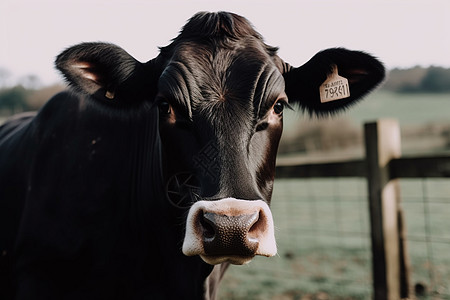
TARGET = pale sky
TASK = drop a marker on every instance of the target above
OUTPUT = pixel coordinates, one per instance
(402, 33)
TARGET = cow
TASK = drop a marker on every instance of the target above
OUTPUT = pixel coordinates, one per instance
(147, 180)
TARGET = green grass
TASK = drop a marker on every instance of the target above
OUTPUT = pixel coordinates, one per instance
(409, 109)
(323, 237)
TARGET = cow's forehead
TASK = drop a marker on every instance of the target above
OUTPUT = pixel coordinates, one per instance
(198, 75)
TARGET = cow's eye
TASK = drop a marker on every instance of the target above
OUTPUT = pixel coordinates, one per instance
(164, 108)
(279, 107)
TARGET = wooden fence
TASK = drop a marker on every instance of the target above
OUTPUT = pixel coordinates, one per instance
(382, 167)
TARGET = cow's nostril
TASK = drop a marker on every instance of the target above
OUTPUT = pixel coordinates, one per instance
(207, 225)
(258, 227)
(254, 221)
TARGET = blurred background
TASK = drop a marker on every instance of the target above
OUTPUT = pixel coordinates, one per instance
(412, 38)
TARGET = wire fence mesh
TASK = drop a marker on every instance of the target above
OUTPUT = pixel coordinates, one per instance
(426, 203)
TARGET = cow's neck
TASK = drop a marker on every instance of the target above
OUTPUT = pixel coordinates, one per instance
(213, 280)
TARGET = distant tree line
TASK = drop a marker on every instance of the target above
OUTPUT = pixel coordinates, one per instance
(19, 98)
(25, 95)
(419, 80)
(13, 99)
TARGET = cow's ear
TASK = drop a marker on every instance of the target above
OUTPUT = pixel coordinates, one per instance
(98, 69)
(303, 84)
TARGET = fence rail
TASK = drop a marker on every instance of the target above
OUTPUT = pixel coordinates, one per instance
(353, 168)
(382, 167)
(406, 167)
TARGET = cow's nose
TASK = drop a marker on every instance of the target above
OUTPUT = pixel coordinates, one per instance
(230, 230)
(230, 235)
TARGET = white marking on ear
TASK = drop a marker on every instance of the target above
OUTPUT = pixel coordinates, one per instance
(84, 69)
(109, 95)
(82, 65)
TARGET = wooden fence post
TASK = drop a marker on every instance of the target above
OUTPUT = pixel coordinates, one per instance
(390, 275)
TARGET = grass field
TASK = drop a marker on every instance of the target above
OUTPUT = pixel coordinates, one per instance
(424, 122)
(324, 242)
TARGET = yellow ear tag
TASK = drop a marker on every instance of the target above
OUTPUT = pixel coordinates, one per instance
(334, 88)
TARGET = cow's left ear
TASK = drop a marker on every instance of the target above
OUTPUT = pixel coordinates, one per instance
(305, 84)
(99, 69)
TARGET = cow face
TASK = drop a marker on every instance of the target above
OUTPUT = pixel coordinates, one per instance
(221, 116)
(220, 93)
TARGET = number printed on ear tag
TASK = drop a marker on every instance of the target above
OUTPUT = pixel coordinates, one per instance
(334, 88)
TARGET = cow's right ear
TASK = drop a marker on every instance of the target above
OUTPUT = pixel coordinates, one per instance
(304, 84)
(99, 69)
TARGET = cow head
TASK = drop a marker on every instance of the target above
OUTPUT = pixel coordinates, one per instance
(219, 92)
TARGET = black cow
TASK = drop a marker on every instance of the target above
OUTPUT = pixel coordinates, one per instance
(145, 180)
